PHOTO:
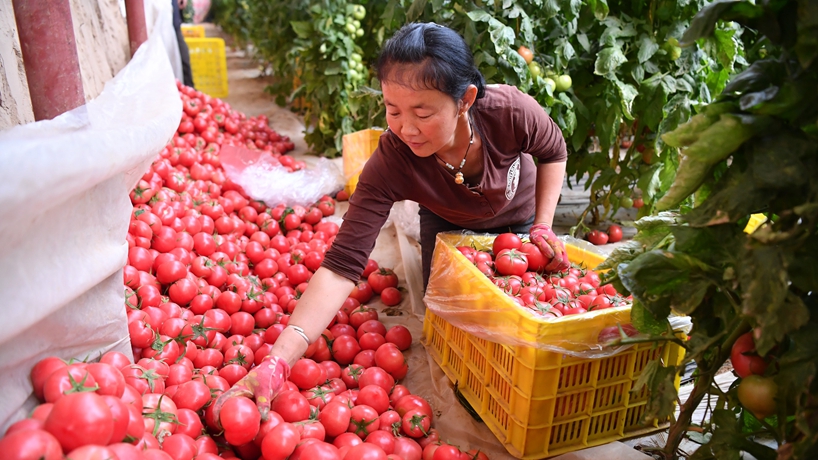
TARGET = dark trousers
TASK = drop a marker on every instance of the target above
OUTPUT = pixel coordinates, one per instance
(431, 224)
(184, 52)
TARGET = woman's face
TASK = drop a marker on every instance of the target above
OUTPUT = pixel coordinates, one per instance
(424, 119)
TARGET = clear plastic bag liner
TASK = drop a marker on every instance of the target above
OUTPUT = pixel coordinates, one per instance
(263, 178)
(64, 214)
(466, 298)
(404, 214)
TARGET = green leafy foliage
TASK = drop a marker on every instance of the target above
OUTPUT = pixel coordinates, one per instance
(756, 147)
(629, 76)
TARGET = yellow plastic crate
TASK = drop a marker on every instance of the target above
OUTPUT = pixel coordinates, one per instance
(193, 31)
(209, 65)
(470, 297)
(755, 221)
(540, 403)
(357, 148)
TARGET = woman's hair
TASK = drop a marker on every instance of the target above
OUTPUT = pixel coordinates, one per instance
(444, 61)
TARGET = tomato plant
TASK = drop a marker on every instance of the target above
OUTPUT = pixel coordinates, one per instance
(729, 281)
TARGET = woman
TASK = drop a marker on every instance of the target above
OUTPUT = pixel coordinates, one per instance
(455, 146)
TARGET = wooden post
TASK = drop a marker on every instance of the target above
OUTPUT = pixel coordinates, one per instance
(137, 30)
(49, 49)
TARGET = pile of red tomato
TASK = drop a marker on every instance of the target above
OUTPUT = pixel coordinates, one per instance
(518, 269)
(211, 279)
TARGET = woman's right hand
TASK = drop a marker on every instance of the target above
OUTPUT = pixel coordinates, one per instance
(262, 383)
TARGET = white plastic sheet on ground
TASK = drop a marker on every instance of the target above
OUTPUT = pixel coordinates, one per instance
(64, 213)
(263, 178)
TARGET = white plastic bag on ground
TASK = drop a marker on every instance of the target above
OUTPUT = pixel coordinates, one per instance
(263, 178)
(64, 213)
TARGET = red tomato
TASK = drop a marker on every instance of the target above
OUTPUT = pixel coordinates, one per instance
(192, 395)
(745, 360)
(410, 402)
(292, 406)
(90, 452)
(306, 374)
(179, 446)
(389, 358)
(371, 266)
(363, 420)
(365, 451)
(376, 376)
(344, 349)
(42, 370)
(511, 262)
(383, 439)
(506, 241)
(415, 423)
(78, 419)
(351, 374)
(159, 413)
(31, 444)
(391, 296)
(446, 452)
(375, 397)
(400, 336)
(407, 448)
(597, 237)
(110, 379)
(70, 378)
(280, 442)
(189, 423)
(362, 292)
(240, 419)
(335, 418)
(614, 233)
(382, 279)
(536, 260)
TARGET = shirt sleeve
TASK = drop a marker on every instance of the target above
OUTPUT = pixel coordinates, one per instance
(536, 131)
(369, 208)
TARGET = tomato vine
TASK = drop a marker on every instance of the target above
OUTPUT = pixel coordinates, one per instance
(754, 149)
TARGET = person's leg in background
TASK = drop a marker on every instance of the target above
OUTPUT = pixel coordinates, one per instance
(184, 52)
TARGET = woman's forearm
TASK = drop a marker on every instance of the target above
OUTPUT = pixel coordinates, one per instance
(315, 310)
(550, 177)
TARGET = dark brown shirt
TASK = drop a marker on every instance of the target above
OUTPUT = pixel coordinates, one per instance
(512, 126)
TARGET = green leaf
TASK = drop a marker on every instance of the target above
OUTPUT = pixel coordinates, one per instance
(583, 42)
(302, 28)
(647, 374)
(415, 10)
(550, 9)
(704, 22)
(662, 387)
(501, 35)
(727, 46)
(627, 94)
(675, 112)
(650, 181)
(479, 16)
(758, 77)
(645, 321)
(661, 279)
(806, 47)
(647, 48)
(608, 60)
(766, 299)
(777, 161)
(601, 9)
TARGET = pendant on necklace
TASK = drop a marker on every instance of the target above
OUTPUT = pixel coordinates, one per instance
(458, 178)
